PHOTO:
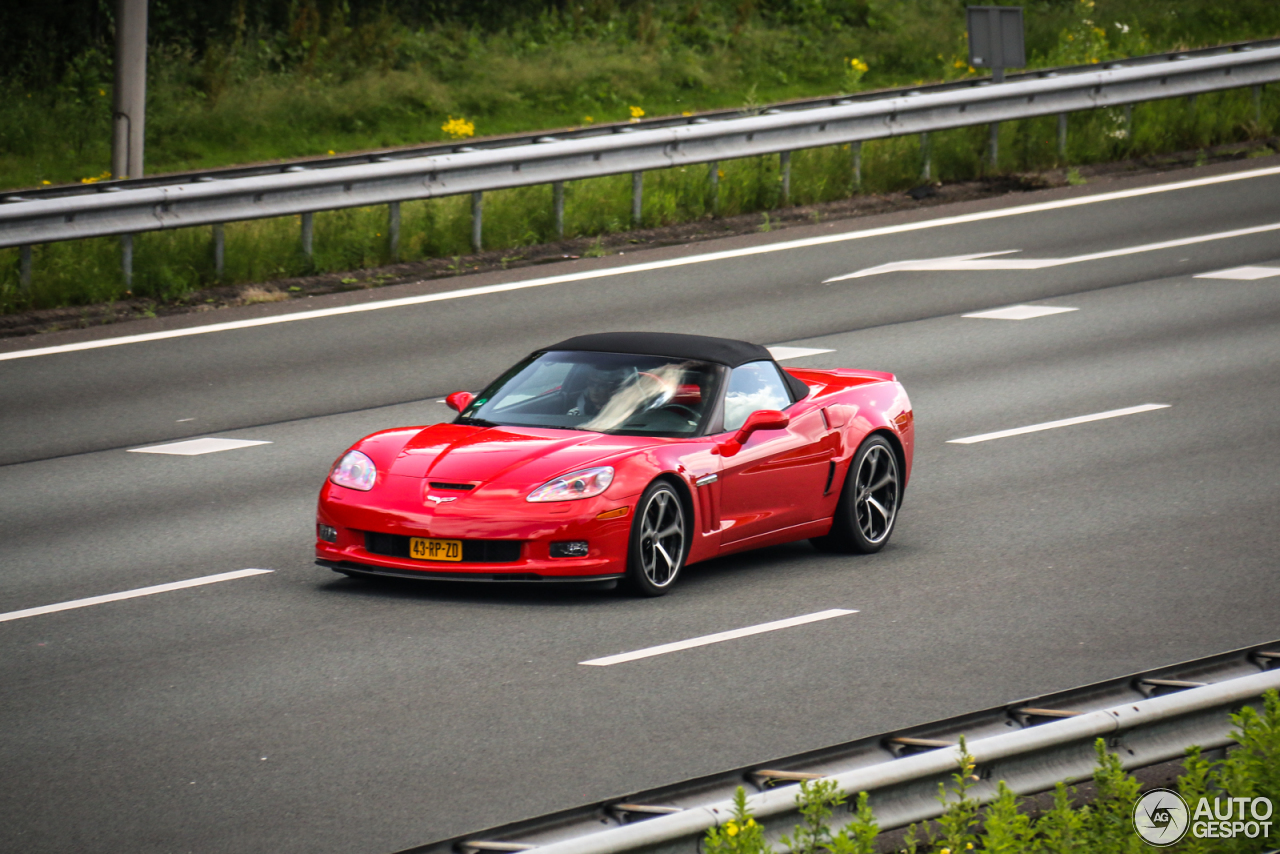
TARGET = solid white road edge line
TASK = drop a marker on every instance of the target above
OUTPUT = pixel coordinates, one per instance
(717, 638)
(131, 594)
(587, 275)
(1065, 422)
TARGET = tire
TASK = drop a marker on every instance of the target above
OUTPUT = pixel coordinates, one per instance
(659, 541)
(869, 501)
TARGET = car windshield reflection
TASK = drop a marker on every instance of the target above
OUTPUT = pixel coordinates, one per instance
(601, 393)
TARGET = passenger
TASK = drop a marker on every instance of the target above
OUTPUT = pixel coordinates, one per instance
(600, 387)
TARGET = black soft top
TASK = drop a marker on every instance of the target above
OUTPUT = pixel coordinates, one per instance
(722, 351)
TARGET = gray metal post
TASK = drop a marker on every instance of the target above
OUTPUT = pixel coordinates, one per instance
(637, 197)
(715, 186)
(557, 197)
(784, 166)
(24, 267)
(926, 158)
(393, 231)
(219, 250)
(857, 166)
(1257, 103)
(1062, 136)
(477, 220)
(993, 148)
(1128, 123)
(126, 259)
(308, 231)
(129, 108)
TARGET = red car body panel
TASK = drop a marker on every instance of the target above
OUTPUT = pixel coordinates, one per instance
(778, 486)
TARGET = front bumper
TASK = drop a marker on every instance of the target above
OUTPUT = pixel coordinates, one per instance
(518, 534)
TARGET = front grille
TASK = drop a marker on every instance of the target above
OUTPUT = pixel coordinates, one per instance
(473, 551)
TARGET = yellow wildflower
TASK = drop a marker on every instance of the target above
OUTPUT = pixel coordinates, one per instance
(587, 119)
(859, 66)
(687, 113)
(945, 851)
(331, 151)
(102, 92)
(636, 112)
(719, 173)
(46, 183)
(751, 822)
(459, 128)
(731, 829)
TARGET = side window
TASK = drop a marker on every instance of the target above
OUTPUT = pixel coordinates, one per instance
(753, 386)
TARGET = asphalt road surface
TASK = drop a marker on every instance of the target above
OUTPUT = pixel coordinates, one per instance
(299, 711)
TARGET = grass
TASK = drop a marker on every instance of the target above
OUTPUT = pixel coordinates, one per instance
(384, 84)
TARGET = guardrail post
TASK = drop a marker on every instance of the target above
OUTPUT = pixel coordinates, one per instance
(637, 197)
(1128, 123)
(393, 231)
(926, 158)
(219, 250)
(1257, 103)
(477, 220)
(857, 165)
(993, 147)
(308, 231)
(24, 267)
(714, 176)
(557, 196)
(784, 166)
(1062, 136)
(126, 260)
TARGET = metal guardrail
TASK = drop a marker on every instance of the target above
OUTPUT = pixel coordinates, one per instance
(213, 198)
(1147, 718)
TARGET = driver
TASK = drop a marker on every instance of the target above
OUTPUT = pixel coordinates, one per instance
(596, 393)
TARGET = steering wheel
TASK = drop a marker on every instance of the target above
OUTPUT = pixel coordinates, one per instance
(670, 406)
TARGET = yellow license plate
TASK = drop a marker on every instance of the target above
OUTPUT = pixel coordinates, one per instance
(424, 548)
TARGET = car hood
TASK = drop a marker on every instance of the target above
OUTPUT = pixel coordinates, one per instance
(511, 456)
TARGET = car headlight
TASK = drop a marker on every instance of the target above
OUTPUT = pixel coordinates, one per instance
(587, 483)
(354, 471)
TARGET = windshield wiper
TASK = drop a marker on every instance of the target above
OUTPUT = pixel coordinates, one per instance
(474, 422)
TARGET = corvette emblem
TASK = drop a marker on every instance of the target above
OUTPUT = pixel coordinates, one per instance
(438, 499)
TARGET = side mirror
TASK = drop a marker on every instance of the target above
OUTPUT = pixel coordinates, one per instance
(459, 400)
(761, 419)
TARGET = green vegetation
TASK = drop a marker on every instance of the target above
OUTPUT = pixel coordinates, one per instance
(1101, 826)
(307, 78)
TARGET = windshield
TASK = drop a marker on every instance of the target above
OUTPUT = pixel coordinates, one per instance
(600, 392)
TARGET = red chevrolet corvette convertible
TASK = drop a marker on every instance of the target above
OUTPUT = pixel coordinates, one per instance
(624, 456)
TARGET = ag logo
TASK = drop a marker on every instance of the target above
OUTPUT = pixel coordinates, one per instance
(1161, 817)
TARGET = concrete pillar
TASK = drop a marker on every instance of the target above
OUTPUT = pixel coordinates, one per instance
(129, 110)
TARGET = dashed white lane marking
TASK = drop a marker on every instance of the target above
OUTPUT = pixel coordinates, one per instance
(1020, 312)
(1247, 274)
(780, 352)
(195, 447)
(716, 638)
(652, 265)
(131, 594)
(1065, 422)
